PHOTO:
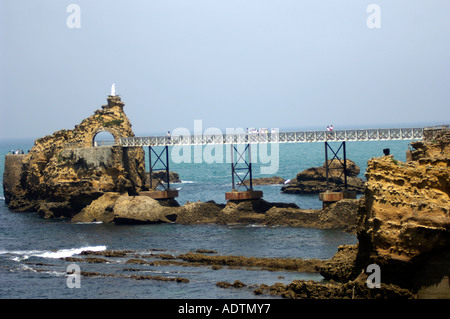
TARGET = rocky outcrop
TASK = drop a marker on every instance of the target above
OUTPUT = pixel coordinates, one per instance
(117, 208)
(405, 221)
(354, 289)
(342, 266)
(161, 176)
(141, 210)
(113, 207)
(11, 175)
(273, 180)
(314, 180)
(199, 213)
(63, 172)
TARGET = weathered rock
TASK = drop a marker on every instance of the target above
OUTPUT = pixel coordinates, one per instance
(123, 209)
(198, 212)
(161, 175)
(100, 210)
(340, 215)
(290, 264)
(357, 289)
(294, 217)
(63, 173)
(141, 209)
(273, 180)
(405, 220)
(11, 176)
(313, 180)
(342, 266)
(248, 211)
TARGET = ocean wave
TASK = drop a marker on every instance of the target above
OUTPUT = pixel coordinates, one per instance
(20, 255)
(2, 198)
(69, 252)
(187, 182)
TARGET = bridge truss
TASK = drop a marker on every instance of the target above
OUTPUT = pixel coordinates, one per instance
(278, 137)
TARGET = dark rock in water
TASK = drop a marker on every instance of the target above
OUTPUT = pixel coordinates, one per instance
(273, 180)
(161, 175)
(314, 180)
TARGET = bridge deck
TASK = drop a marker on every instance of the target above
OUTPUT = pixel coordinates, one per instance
(279, 137)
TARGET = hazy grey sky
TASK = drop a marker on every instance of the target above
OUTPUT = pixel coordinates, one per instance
(230, 63)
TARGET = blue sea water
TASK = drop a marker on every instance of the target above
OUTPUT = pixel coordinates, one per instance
(31, 247)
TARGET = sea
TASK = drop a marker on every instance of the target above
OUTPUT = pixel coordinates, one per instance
(34, 251)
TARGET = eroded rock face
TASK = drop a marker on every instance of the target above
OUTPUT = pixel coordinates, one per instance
(406, 216)
(141, 210)
(63, 173)
(113, 207)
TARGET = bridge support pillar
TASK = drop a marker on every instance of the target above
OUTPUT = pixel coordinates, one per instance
(162, 188)
(166, 194)
(239, 163)
(330, 197)
(243, 195)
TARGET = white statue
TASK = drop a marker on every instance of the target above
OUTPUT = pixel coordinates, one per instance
(113, 90)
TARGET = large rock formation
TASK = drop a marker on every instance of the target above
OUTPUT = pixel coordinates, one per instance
(117, 208)
(314, 180)
(64, 172)
(404, 226)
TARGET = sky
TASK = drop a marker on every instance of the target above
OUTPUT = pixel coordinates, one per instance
(287, 64)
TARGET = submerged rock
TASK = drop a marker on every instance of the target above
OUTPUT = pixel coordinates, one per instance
(273, 180)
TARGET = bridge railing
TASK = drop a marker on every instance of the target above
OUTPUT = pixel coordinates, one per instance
(278, 137)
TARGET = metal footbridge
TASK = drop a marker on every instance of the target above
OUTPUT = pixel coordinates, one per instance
(241, 163)
(277, 137)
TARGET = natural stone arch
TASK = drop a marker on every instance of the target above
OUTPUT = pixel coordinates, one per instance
(115, 133)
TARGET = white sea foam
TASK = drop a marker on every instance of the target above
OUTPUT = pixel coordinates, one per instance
(69, 252)
(187, 182)
(20, 255)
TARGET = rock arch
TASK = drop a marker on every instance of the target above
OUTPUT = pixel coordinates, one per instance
(114, 132)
